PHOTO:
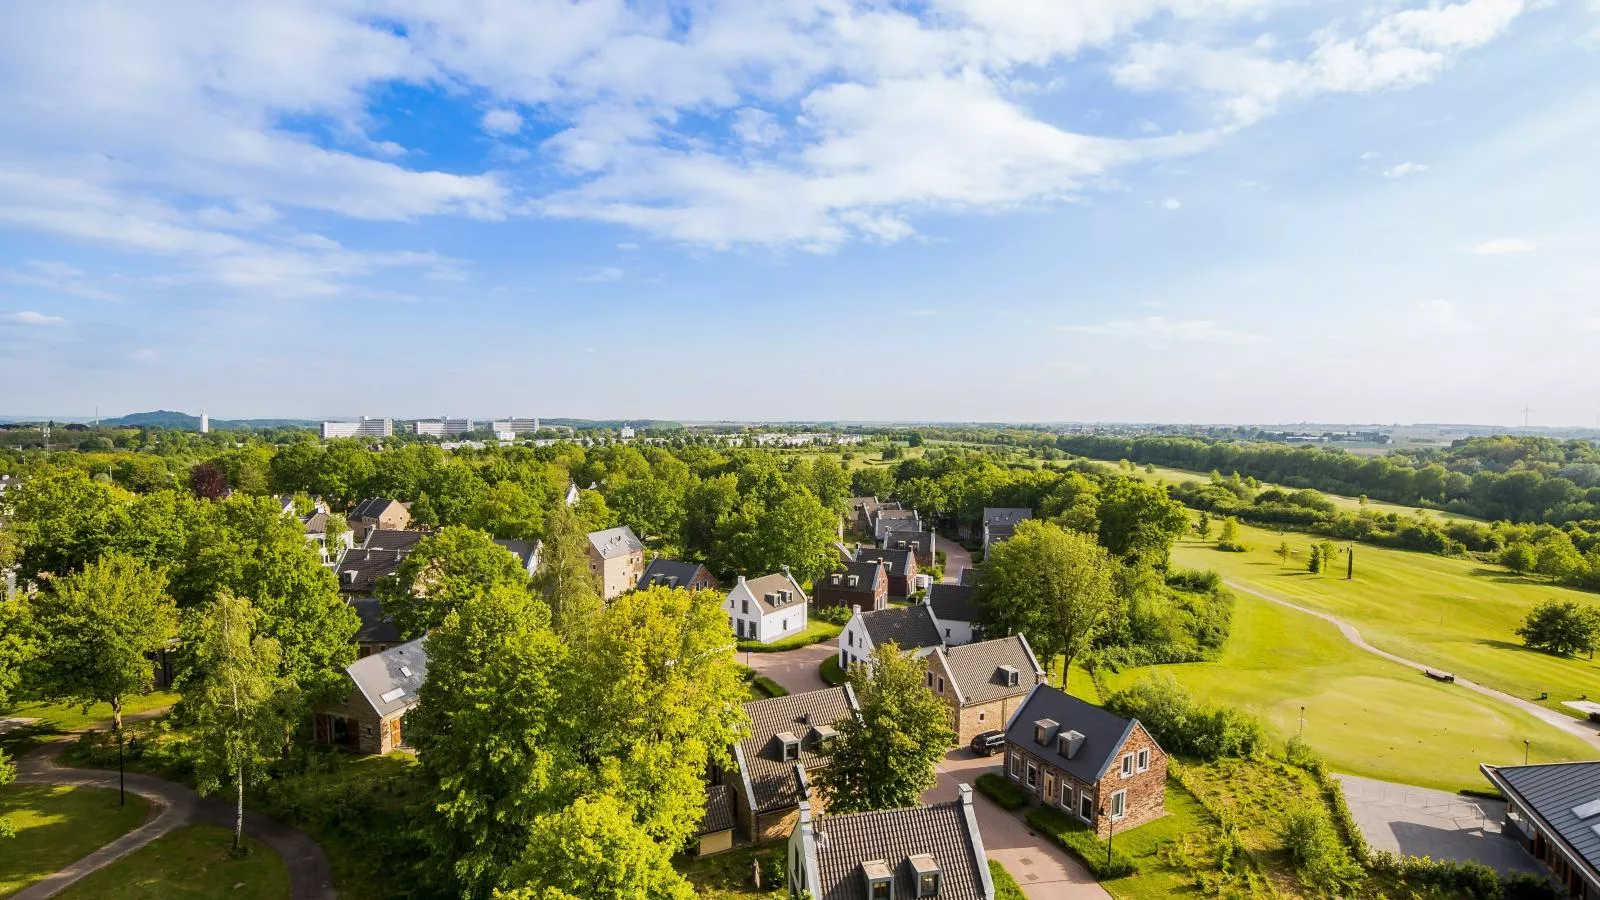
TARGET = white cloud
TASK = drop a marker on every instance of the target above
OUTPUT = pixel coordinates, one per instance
(1160, 329)
(605, 274)
(57, 277)
(1503, 246)
(627, 247)
(29, 317)
(1171, 203)
(1404, 169)
(757, 127)
(501, 122)
(1371, 155)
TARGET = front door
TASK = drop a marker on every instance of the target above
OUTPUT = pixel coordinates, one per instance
(1049, 786)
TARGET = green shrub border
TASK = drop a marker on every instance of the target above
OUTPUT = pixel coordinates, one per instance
(1004, 794)
(816, 632)
(1076, 838)
(1005, 886)
(830, 671)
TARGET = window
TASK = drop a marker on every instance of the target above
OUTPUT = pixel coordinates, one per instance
(947, 632)
(980, 716)
(850, 638)
(880, 890)
(928, 885)
(1066, 795)
(1119, 805)
(1144, 760)
(785, 624)
(1085, 807)
(1033, 776)
(941, 684)
(928, 679)
(1016, 767)
(1127, 764)
(744, 606)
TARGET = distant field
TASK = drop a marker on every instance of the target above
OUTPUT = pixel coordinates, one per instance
(1455, 614)
(1352, 504)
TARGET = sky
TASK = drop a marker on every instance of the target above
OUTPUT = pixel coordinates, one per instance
(971, 210)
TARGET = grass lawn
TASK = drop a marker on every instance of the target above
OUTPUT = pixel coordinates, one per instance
(189, 862)
(1365, 715)
(1453, 614)
(57, 825)
(1156, 877)
(59, 718)
(726, 876)
(816, 632)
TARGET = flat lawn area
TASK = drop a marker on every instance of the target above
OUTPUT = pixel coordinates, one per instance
(1454, 614)
(1365, 715)
(189, 862)
(816, 632)
(57, 825)
(1156, 878)
(59, 718)
(726, 876)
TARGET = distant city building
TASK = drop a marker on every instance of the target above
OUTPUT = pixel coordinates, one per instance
(515, 425)
(428, 429)
(625, 433)
(205, 422)
(444, 427)
(364, 428)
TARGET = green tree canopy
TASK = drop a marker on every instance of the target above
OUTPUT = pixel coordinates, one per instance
(445, 568)
(564, 578)
(1051, 585)
(1561, 627)
(593, 850)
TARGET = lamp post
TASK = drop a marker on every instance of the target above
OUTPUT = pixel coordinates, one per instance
(1525, 746)
(1105, 812)
(1302, 723)
(122, 778)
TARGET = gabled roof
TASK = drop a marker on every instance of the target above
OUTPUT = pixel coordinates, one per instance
(976, 668)
(772, 779)
(1005, 515)
(858, 504)
(614, 542)
(375, 625)
(942, 831)
(901, 526)
(912, 627)
(1103, 733)
(1559, 793)
(970, 577)
(869, 575)
(898, 562)
(719, 809)
(393, 539)
(952, 602)
(670, 573)
(926, 541)
(389, 680)
(316, 523)
(360, 570)
(526, 552)
(759, 588)
(887, 515)
(374, 508)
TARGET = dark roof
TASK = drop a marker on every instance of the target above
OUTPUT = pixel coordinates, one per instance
(394, 539)
(771, 778)
(912, 627)
(375, 626)
(902, 540)
(524, 551)
(997, 515)
(868, 576)
(893, 836)
(719, 809)
(897, 561)
(614, 542)
(859, 503)
(759, 588)
(670, 573)
(970, 577)
(389, 680)
(952, 602)
(1558, 792)
(372, 509)
(361, 570)
(885, 513)
(977, 673)
(316, 523)
(1103, 733)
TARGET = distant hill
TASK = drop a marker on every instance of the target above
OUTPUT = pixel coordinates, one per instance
(166, 418)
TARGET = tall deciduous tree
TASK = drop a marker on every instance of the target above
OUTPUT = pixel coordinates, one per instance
(593, 850)
(564, 578)
(240, 700)
(98, 628)
(1051, 585)
(1561, 627)
(445, 568)
(1138, 520)
(885, 757)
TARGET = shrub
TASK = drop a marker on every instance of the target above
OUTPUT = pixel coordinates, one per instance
(1005, 794)
(1232, 547)
(833, 615)
(1299, 753)
(1077, 838)
(1527, 886)
(1186, 727)
(1469, 880)
(769, 687)
(1321, 860)
(1005, 887)
(831, 671)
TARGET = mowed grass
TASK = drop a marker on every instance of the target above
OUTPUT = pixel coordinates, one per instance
(191, 862)
(1365, 715)
(1453, 614)
(62, 718)
(57, 825)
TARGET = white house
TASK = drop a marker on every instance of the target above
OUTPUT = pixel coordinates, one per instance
(912, 628)
(955, 613)
(768, 608)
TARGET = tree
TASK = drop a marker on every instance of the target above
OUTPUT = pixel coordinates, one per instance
(507, 510)
(240, 700)
(1284, 551)
(1203, 526)
(63, 520)
(564, 578)
(97, 630)
(1051, 585)
(1138, 520)
(1561, 627)
(594, 850)
(1519, 557)
(1230, 531)
(798, 532)
(593, 512)
(444, 569)
(208, 481)
(872, 481)
(885, 757)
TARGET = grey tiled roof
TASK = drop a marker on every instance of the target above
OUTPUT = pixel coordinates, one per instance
(394, 539)
(952, 602)
(524, 551)
(997, 515)
(976, 668)
(868, 574)
(1103, 733)
(669, 573)
(970, 577)
(893, 836)
(614, 542)
(395, 674)
(898, 526)
(926, 541)
(316, 523)
(771, 778)
(1557, 792)
(375, 626)
(912, 627)
(898, 562)
(759, 588)
(719, 809)
(372, 509)
(361, 570)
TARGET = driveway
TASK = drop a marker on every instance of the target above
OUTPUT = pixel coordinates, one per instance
(1045, 871)
(956, 558)
(1421, 822)
(795, 670)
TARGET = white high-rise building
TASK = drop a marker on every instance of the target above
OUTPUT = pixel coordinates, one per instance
(515, 425)
(205, 421)
(364, 428)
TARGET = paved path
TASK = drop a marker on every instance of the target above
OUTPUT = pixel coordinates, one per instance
(1044, 870)
(1575, 727)
(1422, 822)
(956, 558)
(309, 878)
(795, 670)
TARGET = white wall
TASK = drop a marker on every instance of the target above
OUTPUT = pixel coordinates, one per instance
(954, 632)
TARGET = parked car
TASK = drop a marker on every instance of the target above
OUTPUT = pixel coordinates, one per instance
(989, 743)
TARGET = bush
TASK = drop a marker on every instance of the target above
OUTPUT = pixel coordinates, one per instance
(1005, 794)
(1309, 836)
(1232, 547)
(769, 687)
(1077, 838)
(1527, 886)
(815, 633)
(1469, 880)
(1005, 887)
(834, 615)
(1186, 727)
(831, 672)
(1299, 753)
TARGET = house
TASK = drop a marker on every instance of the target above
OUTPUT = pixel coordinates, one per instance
(1553, 811)
(1101, 768)
(572, 494)
(922, 543)
(933, 851)
(788, 737)
(376, 633)
(912, 628)
(970, 577)
(396, 540)
(768, 608)
(999, 522)
(717, 825)
(903, 519)
(983, 683)
(315, 526)
(616, 556)
(862, 512)
(900, 565)
(372, 515)
(863, 584)
(526, 552)
(384, 688)
(361, 569)
(671, 573)
(957, 614)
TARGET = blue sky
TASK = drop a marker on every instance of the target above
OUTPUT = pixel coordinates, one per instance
(1026, 210)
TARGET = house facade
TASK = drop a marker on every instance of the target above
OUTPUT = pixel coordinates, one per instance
(983, 683)
(788, 737)
(1553, 811)
(383, 688)
(911, 628)
(375, 514)
(956, 613)
(1105, 770)
(616, 557)
(863, 584)
(768, 608)
(899, 565)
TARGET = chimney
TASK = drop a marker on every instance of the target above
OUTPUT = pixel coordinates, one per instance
(741, 579)
(855, 609)
(785, 571)
(964, 791)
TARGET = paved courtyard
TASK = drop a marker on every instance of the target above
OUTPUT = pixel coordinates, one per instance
(795, 670)
(1421, 822)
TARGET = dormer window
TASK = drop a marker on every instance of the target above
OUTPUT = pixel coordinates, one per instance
(926, 872)
(1044, 730)
(1010, 675)
(825, 736)
(791, 746)
(854, 580)
(879, 880)
(836, 578)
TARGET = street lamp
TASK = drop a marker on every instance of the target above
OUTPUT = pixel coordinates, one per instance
(1525, 745)
(1105, 812)
(122, 778)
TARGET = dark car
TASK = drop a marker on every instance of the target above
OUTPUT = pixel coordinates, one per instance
(989, 743)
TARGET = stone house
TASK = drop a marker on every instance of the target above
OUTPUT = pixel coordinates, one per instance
(911, 628)
(1553, 811)
(768, 608)
(788, 737)
(863, 584)
(983, 683)
(616, 557)
(1105, 770)
(862, 511)
(1000, 522)
(673, 574)
(378, 514)
(899, 565)
(955, 612)
(383, 689)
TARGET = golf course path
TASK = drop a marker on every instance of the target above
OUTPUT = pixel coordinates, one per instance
(309, 876)
(1575, 727)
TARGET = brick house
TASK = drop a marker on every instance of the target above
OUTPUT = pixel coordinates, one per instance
(788, 737)
(1101, 768)
(922, 543)
(1553, 812)
(671, 573)
(616, 557)
(900, 565)
(863, 584)
(911, 628)
(383, 689)
(378, 514)
(983, 683)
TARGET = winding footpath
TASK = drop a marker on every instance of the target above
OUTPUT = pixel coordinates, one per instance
(1575, 727)
(175, 806)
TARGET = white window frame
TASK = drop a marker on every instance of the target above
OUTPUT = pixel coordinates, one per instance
(1066, 795)
(941, 685)
(1085, 803)
(1144, 760)
(1127, 765)
(1033, 778)
(1015, 768)
(1119, 799)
